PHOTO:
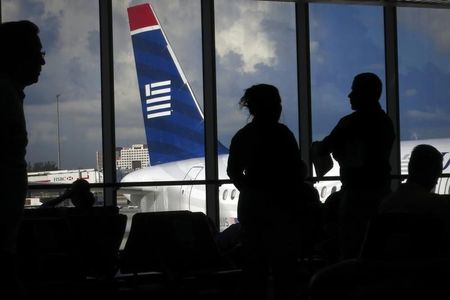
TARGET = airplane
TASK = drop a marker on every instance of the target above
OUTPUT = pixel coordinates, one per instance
(174, 130)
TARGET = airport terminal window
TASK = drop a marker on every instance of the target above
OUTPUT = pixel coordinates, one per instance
(340, 50)
(424, 74)
(344, 40)
(255, 43)
(63, 109)
(151, 132)
(131, 117)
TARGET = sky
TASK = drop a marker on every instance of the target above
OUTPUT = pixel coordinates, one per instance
(255, 43)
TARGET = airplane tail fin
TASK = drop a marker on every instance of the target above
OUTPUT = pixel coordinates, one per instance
(173, 119)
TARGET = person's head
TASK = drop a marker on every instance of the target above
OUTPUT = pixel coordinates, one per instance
(366, 90)
(425, 166)
(263, 102)
(80, 194)
(21, 56)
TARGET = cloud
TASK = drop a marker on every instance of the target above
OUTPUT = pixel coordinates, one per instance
(411, 92)
(43, 131)
(434, 23)
(428, 116)
(243, 33)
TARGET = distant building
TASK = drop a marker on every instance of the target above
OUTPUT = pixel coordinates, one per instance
(131, 158)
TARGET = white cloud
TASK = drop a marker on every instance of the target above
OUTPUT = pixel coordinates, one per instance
(435, 115)
(132, 133)
(314, 48)
(243, 34)
(410, 92)
(42, 131)
(432, 22)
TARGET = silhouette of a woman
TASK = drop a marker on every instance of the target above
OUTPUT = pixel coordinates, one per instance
(265, 165)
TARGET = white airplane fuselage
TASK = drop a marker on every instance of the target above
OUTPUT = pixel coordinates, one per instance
(181, 197)
(192, 197)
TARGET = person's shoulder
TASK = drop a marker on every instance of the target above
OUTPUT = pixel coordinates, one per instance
(282, 127)
(243, 130)
(348, 119)
(242, 133)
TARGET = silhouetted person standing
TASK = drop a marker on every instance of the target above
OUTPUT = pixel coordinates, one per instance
(361, 143)
(21, 59)
(265, 165)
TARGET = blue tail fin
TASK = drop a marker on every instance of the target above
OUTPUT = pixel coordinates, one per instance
(173, 119)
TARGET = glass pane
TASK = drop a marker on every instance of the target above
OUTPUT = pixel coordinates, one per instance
(63, 110)
(158, 88)
(255, 43)
(424, 73)
(344, 40)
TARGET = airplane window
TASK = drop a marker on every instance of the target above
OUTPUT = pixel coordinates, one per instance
(225, 195)
(233, 194)
(333, 189)
(323, 192)
(447, 188)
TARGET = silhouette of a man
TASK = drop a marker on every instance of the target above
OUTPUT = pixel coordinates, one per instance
(361, 143)
(21, 59)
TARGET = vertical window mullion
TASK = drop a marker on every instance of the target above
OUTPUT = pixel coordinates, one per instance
(107, 101)
(210, 109)
(392, 88)
(304, 80)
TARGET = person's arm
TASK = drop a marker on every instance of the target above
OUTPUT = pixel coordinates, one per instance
(235, 167)
(54, 202)
(321, 150)
(298, 165)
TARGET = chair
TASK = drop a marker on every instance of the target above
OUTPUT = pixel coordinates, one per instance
(402, 257)
(46, 249)
(98, 238)
(143, 249)
(175, 249)
(403, 236)
(49, 265)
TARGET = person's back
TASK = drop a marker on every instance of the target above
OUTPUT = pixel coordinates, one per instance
(415, 196)
(265, 165)
(267, 148)
(264, 161)
(363, 142)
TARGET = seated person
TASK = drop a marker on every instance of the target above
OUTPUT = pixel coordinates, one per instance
(79, 194)
(415, 196)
